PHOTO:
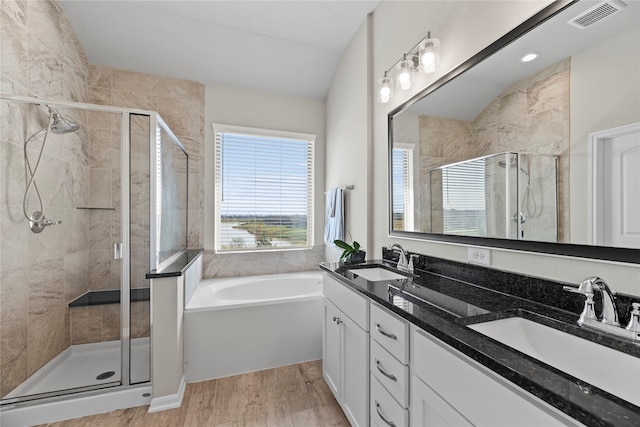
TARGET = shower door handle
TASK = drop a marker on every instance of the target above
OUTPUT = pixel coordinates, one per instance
(117, 251)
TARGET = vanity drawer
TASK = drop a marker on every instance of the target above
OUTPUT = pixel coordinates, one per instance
(385, 411)
(392, 374)
(391, 332)
(348, 301)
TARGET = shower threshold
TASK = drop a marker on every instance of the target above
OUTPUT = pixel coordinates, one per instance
(85, 365)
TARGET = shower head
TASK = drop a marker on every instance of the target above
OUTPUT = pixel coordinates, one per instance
(513, 161)
(61, 124)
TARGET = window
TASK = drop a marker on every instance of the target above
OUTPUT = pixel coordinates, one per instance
(463, 198)
(402, 167)
(264, 189)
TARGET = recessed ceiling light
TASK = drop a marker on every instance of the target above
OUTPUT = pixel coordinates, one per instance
(530, 57)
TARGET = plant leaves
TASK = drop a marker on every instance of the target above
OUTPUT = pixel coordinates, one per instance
(356, 246)
(342, 245)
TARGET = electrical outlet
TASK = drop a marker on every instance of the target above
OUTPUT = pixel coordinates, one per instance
(480, 256)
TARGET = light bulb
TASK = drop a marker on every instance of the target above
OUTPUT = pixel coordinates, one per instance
(529, 57)
(428, 58)
(385, 92)
(385, 89)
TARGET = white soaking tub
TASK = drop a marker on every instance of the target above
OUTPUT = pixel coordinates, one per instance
(244, 324)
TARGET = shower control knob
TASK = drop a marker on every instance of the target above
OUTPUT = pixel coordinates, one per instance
(37, 222)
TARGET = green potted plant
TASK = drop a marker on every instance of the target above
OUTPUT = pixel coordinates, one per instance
(351, 254)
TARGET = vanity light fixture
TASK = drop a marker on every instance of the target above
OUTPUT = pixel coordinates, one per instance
(530, 57)
(425, 57)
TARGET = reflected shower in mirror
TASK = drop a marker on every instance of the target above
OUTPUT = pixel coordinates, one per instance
(518, 150)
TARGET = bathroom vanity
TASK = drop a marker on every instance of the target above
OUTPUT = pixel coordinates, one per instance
(438, 347)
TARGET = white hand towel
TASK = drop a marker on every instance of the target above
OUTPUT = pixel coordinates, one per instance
(334, 223)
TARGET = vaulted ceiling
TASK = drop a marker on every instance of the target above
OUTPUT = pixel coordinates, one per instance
(287, 47)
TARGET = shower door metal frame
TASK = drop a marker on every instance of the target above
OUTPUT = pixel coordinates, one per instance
(125, 279)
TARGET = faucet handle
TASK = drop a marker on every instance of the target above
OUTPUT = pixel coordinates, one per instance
(634, 321)
(589, 310)
(583, 289)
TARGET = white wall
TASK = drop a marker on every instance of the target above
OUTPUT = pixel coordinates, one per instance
(250, 108)
(605, 93)
(464, 28)
(348, 146)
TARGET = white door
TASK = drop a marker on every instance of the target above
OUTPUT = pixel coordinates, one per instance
(621, 190)
(355, 373)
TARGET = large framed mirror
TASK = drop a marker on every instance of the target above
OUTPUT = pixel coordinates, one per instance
(540, 155)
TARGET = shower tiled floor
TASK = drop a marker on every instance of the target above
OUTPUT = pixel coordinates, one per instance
(81, 365)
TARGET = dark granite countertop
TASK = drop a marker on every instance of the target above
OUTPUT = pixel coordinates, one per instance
(177, 267)
(443, 305)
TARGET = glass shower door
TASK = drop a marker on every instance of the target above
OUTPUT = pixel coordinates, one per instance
(60, 328)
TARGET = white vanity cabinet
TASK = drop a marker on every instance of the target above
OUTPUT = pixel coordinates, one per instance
(389, 365)
(450, 389)
(345, 349)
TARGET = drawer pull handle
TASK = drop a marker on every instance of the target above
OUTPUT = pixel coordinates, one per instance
(385, 333)
(385, 373)
(337, 320)
(389, 423)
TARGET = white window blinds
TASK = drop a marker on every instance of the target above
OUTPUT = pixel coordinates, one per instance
(403, 203)
(264, 190)
(463, 198)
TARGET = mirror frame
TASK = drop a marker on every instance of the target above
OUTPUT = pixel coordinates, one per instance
(626, 255)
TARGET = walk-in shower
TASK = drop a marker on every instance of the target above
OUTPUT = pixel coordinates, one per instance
(504, 195)
(74, 301)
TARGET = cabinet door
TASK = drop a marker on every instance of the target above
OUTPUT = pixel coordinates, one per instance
(331, 358)
(355, 372)
(482, 396)
(430, 410)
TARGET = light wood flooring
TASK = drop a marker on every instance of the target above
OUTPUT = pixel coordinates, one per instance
(290, 396)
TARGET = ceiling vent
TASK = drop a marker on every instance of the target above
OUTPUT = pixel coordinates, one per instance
(597, 13)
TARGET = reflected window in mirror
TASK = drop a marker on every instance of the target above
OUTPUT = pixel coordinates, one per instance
(403, 186)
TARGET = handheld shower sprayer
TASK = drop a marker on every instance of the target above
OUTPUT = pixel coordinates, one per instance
(57, 124)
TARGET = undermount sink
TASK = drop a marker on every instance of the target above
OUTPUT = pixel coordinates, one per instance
(377, 274)
(606, 368)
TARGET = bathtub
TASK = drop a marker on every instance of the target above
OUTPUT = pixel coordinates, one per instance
(245, 324)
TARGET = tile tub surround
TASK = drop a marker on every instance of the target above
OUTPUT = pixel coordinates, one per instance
(556, 388)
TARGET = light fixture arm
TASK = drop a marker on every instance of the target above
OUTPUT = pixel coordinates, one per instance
(413, 52)
(415, 55)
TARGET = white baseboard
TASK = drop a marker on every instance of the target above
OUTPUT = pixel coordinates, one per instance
(171, 401)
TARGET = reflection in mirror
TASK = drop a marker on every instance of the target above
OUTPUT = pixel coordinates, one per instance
(477, 197)
(503, 150)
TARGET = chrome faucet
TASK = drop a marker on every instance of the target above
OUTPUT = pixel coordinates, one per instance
(403, 261)
(609, 319)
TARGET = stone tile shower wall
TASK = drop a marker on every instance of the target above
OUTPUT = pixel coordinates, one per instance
(40, 273)
(532, 116)
(181, 105)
